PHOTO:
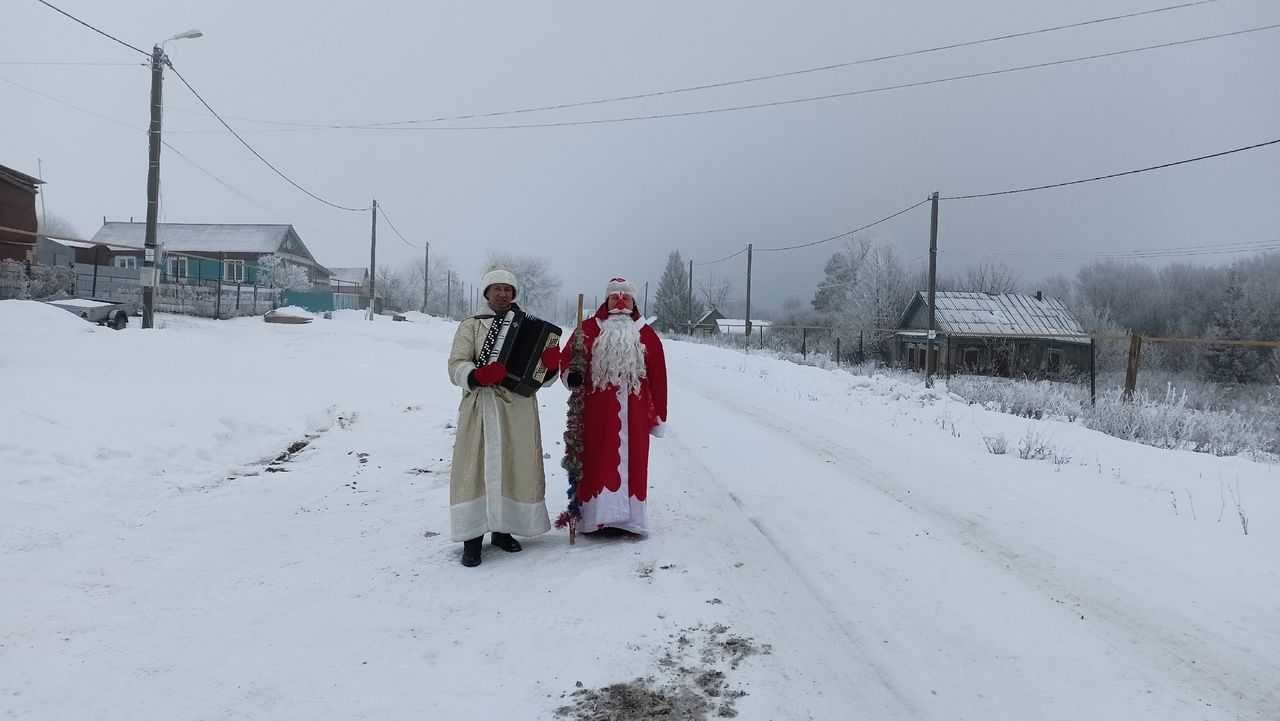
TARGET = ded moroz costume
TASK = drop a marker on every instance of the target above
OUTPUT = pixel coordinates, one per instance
(625, 379)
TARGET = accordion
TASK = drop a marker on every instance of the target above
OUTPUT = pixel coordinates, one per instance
(516, 340)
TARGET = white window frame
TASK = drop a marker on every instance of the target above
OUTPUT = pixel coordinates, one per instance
(129, 262)
(176, 267)
(233, 271)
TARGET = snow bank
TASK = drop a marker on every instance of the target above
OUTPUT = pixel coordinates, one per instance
(33, 318)
(294, 311)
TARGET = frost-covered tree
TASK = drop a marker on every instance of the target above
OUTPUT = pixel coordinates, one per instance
(275, 271)
(52, 224)
(1127, 293)
(539, 288)
(396, 288)
(880, 293)
(715, 290)
(672, 304)
(990, 276)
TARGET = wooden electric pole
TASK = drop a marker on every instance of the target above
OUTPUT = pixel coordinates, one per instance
(929, 353)
(689, 302)
(747, 329)
(373, 260)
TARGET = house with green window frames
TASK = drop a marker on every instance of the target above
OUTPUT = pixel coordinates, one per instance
(205, 252)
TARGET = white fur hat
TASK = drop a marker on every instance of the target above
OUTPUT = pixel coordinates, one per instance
(498, 275)
(621, 285)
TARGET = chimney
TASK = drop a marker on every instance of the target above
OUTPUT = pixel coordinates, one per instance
(1038, 296)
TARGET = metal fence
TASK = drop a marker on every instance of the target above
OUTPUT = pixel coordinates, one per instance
(19, 279)
(207, 298)
(842, 344)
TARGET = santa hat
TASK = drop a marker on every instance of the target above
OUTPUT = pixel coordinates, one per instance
(498, 275)
(621, 285)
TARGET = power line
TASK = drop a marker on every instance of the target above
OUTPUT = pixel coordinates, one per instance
(96, 30)
(72, 106)
(228, 186)
(793, 101)
(397, 232)
(727, 257)
(1188, 250)
(1114, 175)
(848, 233)
(52, 62)
(222, 182)
(255, 152)
(742, 81)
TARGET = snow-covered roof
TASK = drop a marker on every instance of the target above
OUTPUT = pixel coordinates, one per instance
(987, 314)
(86, 244)
(738, 326)
(350, 275)
(198, 237)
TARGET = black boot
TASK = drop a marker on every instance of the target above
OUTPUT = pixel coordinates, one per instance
(471, 551)
(506, 542)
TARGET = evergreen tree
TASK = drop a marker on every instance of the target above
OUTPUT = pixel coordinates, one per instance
(833, 292)
(1232, 321)
(672, 304)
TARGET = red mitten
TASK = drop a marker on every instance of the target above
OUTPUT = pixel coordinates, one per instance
(487, 375)
(551, 358)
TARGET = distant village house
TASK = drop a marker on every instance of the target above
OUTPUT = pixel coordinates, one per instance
(1005, 334)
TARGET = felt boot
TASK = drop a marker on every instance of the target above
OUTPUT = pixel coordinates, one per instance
(471, 551)
(506, 542)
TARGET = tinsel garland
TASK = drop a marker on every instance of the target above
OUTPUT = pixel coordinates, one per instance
(572, 461)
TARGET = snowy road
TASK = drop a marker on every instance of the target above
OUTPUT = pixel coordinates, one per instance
(831, 546)
(957, 597)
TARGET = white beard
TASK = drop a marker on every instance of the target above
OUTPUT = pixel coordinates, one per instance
(617, 356)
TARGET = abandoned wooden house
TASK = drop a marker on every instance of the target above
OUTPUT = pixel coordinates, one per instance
(1005, 334)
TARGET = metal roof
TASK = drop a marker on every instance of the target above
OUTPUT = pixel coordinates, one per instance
(197, 237)
(350, 275)
(22, 180)
(985, 314)
(738, 326)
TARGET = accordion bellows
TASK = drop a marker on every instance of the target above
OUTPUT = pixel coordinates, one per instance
(516, 340)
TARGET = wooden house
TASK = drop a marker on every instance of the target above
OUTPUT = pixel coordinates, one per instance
(203, 252)
(18, 213)
(1005, 334)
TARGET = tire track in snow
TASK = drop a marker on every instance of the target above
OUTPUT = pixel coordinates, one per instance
(884, 696)
(1186, 666)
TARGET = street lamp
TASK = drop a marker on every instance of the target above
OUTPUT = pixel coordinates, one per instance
(148, 275)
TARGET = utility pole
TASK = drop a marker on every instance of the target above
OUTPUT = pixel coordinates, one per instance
(44, 219)
(747, 330)
(929, 353)
(426, 277)
(373, 259)
(646, 299)
(689, 302)
(147, 276)
(448, 294)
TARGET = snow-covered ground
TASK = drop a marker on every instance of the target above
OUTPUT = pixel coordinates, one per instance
(831, 546)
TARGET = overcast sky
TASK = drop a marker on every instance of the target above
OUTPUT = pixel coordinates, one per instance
(611, 199)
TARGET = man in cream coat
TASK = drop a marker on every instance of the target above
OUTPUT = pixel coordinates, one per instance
(497, 483)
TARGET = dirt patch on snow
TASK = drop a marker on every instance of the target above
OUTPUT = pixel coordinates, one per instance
(690, 683)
